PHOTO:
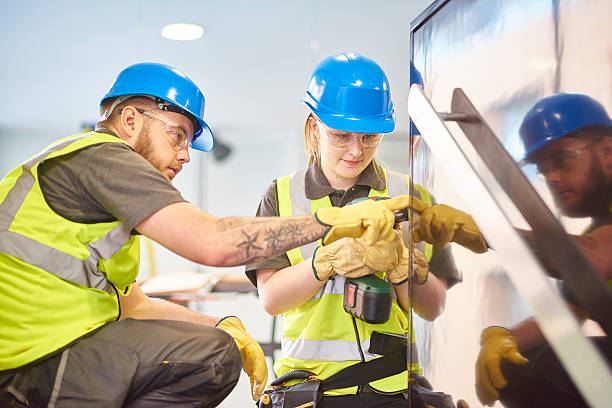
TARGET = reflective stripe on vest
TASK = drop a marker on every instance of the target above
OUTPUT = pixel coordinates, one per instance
(83, 272)
(334, 350)
(303, 343)
(57, 277)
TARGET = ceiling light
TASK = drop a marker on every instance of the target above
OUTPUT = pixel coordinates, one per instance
(182, 32)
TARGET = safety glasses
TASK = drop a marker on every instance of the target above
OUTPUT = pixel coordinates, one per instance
(340, 138)
(560, 160)
(177, 134)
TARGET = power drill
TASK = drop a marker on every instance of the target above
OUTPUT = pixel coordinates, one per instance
(369, 298)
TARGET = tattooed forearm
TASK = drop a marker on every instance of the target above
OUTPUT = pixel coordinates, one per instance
(267, 236)
(587, 243)
(230, 223)
(273, 240)
(249, 244)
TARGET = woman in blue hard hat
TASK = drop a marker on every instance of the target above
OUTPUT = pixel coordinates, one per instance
(350, 110)
(75, 328)
(569, 138)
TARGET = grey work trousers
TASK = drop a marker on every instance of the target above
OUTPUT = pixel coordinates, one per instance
(131, 363)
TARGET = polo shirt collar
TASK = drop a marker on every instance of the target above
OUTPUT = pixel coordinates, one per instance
(317, 186)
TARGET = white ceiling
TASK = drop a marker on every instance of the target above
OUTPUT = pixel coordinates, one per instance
(253, 62)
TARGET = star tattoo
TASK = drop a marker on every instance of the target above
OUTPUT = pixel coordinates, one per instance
(249, 243)
(273, 240)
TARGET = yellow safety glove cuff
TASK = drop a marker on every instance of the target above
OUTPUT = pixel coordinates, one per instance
(322, 261)
(497, 345)
(253, 359)
(368, 219)
(441, 224)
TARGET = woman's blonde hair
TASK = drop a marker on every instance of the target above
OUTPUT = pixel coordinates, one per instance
(311, 139)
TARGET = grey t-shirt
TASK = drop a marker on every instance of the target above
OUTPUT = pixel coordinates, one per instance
(105, 183)
(442, 263)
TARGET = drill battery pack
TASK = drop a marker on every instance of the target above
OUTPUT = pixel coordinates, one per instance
(368, 298)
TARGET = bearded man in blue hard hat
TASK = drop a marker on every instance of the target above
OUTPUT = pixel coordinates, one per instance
(75, 328)
(569, 138)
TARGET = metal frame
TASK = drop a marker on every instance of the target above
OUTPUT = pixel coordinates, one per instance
(457, 157)
(552, 240)
(426, 15)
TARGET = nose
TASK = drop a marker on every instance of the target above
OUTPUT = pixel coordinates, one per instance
(183, 156)
(355, 146)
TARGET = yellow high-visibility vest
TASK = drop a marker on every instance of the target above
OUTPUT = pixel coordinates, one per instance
(59, 279)
(319, 336)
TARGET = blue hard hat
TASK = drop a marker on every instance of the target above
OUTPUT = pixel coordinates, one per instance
(351, 92)
(415, 78)
(171, 86)
(557, 115)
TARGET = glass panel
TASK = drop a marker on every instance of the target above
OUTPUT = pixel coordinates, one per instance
(506, 56)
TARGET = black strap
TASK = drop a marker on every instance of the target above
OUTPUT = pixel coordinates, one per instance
(292, 375)
(362, 373)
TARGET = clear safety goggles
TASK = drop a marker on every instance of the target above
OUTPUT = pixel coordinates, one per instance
(560, 160)
(179, 137)
(340, 138)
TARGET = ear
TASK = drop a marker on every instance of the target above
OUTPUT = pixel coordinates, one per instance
(130, 124)
(311, 131)
(311, 122)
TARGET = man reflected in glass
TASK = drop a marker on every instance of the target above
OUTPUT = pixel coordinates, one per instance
(569, 138)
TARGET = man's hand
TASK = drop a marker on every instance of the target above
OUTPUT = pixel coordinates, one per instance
(403, 271)
(440, 224)
(372, 220)
(497, 345)
(253, 359)
(354, 258)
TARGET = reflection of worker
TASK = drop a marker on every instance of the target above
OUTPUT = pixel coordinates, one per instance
(351, 109)
(75, 330)
(569, 138)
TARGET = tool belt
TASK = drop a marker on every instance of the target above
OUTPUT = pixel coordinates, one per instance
(309, 392)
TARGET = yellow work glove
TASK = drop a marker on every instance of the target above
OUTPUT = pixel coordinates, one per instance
(354, 258)
(253, 360)
(440, 224)
(496, 345)
(372, 220)
(403, 272)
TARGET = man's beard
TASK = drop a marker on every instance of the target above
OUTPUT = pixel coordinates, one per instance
(594, 195)
(144, 147)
